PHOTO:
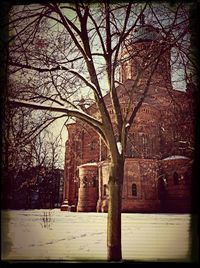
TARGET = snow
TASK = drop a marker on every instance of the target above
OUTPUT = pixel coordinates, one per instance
(173, 157)
(119, 147)
(83, 113)
(165, 181)
(89, 164)
(82, 236)
(35, 105)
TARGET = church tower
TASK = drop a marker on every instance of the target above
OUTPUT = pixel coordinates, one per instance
(143, 51)
(158, 153)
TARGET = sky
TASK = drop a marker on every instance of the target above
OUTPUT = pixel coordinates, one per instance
(58, 129)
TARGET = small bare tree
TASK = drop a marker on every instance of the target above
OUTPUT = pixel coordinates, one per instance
(28, 145)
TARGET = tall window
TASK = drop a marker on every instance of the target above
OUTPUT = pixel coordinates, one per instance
(186, 177)
(134, 189)
(82, 143)
(144, 144)
(175, 178)
(85, 182)
(93, 146)
(105, 190)
(94, 182)
(78, 183)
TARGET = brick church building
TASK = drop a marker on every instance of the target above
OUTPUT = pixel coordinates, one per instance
(160, 148)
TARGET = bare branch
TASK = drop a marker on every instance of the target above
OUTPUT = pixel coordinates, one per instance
(69, 112)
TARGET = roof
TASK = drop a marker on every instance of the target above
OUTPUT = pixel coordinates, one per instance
(91, 164)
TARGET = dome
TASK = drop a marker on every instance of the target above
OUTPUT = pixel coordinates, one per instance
(146, 33)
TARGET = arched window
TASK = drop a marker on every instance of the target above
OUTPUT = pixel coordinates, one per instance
(77, 181)
(186, 177)
(161, 188)
(93, 145)
(175, 178)
(134, 189)
(82, 134)
(85, 182)
(94, 182)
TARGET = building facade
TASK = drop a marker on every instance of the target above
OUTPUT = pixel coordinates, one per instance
(160, 147)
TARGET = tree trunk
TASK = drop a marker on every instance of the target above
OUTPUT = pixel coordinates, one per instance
(114, 213)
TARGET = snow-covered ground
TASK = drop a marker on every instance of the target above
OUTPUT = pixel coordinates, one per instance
(59, 235)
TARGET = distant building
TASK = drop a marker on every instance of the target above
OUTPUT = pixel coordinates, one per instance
(159, 154)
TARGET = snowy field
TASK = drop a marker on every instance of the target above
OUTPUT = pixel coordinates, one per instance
(56, 235)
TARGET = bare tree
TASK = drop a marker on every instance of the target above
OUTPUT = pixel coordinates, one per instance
(28, 145)
(64, 52)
